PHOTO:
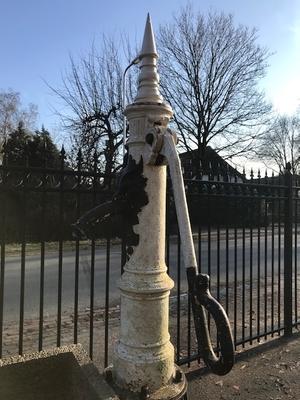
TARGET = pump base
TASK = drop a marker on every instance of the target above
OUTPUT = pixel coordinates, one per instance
(175, 390)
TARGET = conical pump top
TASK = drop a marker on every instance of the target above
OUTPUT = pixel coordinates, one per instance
(148, 82)
(148, 46)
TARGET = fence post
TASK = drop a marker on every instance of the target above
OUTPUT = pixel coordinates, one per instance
(288, 251)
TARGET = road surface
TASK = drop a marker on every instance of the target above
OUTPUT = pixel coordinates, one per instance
(33, 262)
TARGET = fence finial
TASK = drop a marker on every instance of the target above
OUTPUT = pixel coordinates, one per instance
(288, 167)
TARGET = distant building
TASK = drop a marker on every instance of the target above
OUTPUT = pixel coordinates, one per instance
(211, 167)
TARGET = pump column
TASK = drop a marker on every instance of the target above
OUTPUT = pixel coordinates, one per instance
(144, 355)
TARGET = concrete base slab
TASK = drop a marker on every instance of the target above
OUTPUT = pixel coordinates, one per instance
(64, 373)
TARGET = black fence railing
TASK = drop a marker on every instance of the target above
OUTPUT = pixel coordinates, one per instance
(246, 235)
(56, 290)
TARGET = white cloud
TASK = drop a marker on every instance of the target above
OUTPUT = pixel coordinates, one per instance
(286, 97)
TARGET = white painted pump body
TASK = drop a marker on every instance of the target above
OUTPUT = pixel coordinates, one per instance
(144, 355)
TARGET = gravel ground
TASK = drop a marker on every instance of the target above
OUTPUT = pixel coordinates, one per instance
(270, 371)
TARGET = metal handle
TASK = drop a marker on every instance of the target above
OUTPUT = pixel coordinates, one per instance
(85, 226)
(117, 217)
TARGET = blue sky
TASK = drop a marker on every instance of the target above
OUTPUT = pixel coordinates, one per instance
(37, 37)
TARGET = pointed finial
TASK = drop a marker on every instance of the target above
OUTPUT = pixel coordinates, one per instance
(288, 166)
(148, 88)
(251, 174)
(62, 157)
(148, 46)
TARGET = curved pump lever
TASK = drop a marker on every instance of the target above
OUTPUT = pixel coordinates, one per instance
(163, 144)
(118, 216)
(85, 226)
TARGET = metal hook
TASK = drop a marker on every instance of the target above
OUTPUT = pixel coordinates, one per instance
(201, 298)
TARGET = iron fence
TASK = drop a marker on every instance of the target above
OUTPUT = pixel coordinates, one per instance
(56, 290)
(250, 254)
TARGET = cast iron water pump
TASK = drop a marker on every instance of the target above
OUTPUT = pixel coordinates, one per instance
(118, 216)
(144, 356)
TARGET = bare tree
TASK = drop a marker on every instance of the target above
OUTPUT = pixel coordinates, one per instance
(281, 144)
(91, 90)
(12, 113)
(209, 73)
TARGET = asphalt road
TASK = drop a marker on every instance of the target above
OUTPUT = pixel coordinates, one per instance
(33, 262)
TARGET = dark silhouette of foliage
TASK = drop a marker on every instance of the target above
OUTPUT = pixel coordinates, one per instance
(31, 149)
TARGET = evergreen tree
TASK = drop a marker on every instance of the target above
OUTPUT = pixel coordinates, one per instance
(24, 148)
